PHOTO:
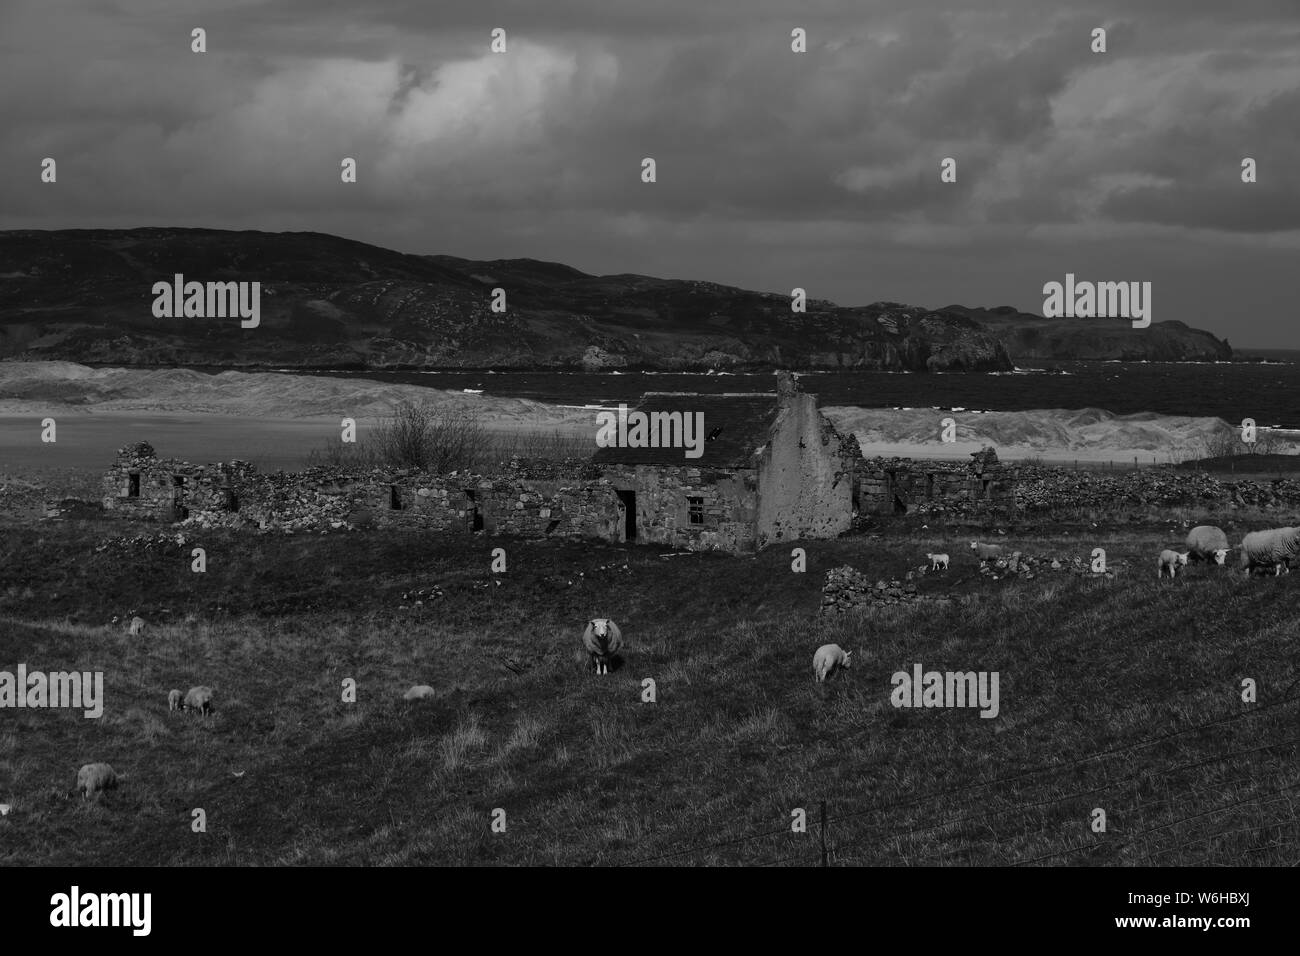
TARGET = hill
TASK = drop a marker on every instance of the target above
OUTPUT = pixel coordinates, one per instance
(86, 296)
(1029, 336)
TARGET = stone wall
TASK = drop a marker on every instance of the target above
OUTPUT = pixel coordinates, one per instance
(902, 486)
(140, 484)
(805, 486)
(727, 508)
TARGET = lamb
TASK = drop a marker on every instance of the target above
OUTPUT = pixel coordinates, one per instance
(137, 626)
(1171, 560)
(986, 552)
(95, 778)
(829, 659)
(601, 639)
(1205, 542)
(173, 700)
(937, 561)
(200, 699)
(1273, 548)
(418, 692)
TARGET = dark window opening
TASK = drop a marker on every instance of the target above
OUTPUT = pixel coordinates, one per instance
(394, 498)
(695, 509)
(475, 516)
(629, 514)
(133, 485)
(552, 526)
(900, 508)
(229, 500)
(987, 483)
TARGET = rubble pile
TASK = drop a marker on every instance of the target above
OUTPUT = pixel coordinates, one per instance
(847, 589)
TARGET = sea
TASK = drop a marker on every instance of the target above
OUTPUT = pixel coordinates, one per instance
(1267, 391)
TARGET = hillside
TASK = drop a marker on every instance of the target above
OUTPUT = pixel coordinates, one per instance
(1112, 693)
(1027, 336)
(85, 296)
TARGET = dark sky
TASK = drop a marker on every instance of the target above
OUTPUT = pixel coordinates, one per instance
(775, 169)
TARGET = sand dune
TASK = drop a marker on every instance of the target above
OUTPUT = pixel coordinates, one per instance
(1087, 434)
(36, 387)
(295, 401)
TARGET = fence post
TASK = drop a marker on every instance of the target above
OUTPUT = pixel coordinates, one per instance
(825, 861)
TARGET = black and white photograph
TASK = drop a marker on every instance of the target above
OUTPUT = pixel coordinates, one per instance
(598, 433)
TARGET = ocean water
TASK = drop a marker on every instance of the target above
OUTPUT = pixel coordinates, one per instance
(1267, 392)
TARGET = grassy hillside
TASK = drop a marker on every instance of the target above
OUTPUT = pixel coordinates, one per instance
(1120, 693)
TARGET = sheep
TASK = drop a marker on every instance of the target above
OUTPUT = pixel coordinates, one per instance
(1205, 542)
(173, 700)
(418, 692)
(137, 626)
(986, 552)
(937, 561)
(95, 778)
(200, 699)
(1171, 560)
(829, 659)
(1273, 548)
(601, 639)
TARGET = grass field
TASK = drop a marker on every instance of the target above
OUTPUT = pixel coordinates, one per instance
(1122, 694)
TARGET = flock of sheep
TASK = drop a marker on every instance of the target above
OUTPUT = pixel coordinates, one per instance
(1273, 548)
(95, 778)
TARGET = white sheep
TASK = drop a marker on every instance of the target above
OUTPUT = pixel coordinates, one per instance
(1171, 560)
(137, 626)
(602, 639)
(95, 778)
(986, 552)
(937, 561)
(1205, 542)
(418, 692)
(173, 700)
(1270, 549)
(828, 659)
(200, 699)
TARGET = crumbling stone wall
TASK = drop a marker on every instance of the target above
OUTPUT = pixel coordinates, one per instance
(902, 486)
(140, 484)
(727, 509)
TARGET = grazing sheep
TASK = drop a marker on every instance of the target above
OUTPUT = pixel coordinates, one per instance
(137, 626)
(173, 700)
(418, 692)
(1171, 560)
(1274, 548)
(200, 699)
(986, 552)
(601, 639)
(937, 561)
(1205, 542)
(829, 659)
(94, 778)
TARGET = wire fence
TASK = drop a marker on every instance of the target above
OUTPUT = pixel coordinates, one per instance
(828, 839)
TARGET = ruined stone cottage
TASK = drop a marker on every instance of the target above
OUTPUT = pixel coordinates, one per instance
(772, 469)
(902, 486)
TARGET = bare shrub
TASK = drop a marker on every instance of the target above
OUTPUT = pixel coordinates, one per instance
(418, 435)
